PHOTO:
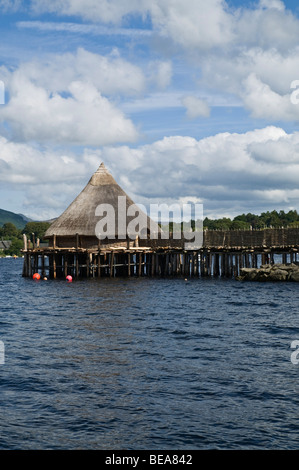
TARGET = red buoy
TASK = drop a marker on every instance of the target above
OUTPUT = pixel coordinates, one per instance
(36, 276)
(69, 278)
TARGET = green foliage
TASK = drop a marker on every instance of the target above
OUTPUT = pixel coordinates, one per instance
(267, 219)
(9, 231)
(15, 248)
(38, 228)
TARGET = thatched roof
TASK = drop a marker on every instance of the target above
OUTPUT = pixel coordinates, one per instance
(80, 217)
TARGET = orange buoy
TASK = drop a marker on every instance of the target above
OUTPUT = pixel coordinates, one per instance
(69, 278)
(36, 276)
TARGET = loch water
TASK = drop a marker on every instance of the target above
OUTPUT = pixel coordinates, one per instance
(147, 363)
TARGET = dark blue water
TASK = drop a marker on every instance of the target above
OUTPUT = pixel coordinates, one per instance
(147, 364)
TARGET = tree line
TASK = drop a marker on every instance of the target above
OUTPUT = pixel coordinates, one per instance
(248, 221)
(267, 219)
(10, 232)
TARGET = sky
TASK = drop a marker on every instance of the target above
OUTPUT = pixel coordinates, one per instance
(183, 101)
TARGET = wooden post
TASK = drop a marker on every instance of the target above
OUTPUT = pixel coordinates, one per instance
(99, 265)
(54, 265)
(111, 263)
(272, 257)
(25, 265)
(216, 270)
(129, 264)
(35, 260)
(87, 264)
(175, 264)
(91, 260)
(152, 264)
(54, 241)
(227, 264)
(222, 265)
(25, 242)
(140, 266)
(206, 256)
(201, 264)
(167, 270)
(43, 265)
(65, 264)
(236, 267)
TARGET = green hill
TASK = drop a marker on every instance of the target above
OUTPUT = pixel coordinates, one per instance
(18, 220)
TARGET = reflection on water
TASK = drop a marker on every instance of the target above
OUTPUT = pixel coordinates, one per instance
(147, 364)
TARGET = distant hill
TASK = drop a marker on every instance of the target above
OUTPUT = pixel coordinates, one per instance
(19, 220)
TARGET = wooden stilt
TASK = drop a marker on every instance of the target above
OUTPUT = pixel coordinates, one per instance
(112, 264)
(99, 264)
(54, 266)
(43, 265)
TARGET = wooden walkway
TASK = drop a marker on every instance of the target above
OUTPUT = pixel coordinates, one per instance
(223, 254)
(143, 261)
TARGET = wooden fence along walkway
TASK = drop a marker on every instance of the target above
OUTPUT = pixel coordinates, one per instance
(223, 254)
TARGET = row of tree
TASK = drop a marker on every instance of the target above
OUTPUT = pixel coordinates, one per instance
(267, 219)
(10, 232)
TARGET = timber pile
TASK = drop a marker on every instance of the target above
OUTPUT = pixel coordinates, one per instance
(272, 273)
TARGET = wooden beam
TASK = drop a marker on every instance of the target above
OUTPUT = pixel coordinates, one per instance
(111, 263)
(99, 264)
(25, 242)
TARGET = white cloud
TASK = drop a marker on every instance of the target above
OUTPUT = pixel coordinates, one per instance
(63, 99)
(261, 79)
(265, 103)
(84, 117)
(94, 10)
(228, 44)
(230, 173)
(110, 74)
(195, 107)
(276, 4)
(193, 23)
(160, 73)
(267, 29)
(81, 28)
(10, 5)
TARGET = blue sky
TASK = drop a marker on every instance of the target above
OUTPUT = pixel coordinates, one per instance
(183, 100)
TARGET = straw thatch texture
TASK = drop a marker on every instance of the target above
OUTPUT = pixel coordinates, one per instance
(80, 217)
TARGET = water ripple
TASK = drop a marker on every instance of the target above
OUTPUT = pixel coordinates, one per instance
(147, 364)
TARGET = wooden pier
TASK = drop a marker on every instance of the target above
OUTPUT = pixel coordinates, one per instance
(80, 247)
(167, 258)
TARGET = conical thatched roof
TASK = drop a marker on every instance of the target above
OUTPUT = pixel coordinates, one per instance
(80, 217)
